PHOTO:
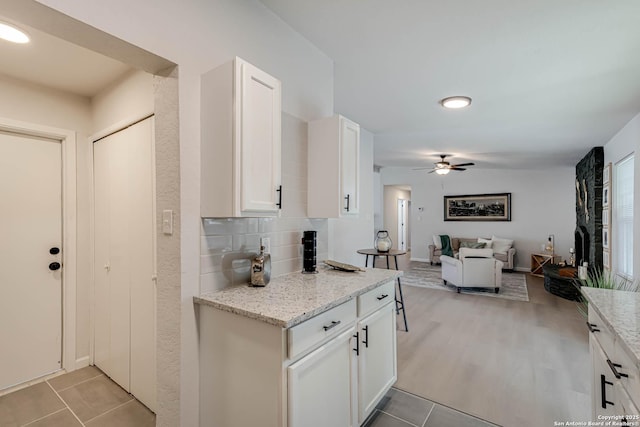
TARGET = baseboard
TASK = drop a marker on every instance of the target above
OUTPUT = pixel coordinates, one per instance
(419, 259)
(522, 269)
(82, 362)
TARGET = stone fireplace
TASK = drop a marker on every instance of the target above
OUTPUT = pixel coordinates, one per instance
(588, 186)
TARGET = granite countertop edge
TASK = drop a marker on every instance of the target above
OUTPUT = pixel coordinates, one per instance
(628, 339)
(208, 299)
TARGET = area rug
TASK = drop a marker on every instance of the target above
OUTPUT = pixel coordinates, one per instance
(425, 275)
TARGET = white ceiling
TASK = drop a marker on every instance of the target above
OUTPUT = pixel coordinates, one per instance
(549, 79)
(55, 63)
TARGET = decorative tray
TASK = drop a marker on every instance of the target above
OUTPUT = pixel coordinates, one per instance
(342, 266)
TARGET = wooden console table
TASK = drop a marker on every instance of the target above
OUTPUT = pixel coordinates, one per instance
(540, 260)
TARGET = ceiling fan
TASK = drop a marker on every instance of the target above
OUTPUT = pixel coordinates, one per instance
(443, 167)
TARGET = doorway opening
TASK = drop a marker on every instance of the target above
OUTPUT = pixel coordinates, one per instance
(397, 215)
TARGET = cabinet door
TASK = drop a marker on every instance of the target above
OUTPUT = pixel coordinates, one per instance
(377, 359)
(258, 131)
(320, 385)
(604, 384)
(349, 165)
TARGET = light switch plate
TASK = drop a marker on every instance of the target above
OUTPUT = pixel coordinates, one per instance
(167, 222)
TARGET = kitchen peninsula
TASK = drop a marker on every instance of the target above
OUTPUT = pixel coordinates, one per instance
(306, 350)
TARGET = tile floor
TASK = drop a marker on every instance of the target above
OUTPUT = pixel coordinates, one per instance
(401, 409)
(85, 397)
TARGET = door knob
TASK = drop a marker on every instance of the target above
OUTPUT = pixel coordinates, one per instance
(54, 266)
(54, 251)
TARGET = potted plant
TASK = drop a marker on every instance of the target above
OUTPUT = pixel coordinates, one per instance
(604, 279)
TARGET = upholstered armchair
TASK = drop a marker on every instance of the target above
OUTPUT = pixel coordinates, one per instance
(474, 268)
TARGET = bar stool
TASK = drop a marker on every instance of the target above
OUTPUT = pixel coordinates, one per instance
(392, 253)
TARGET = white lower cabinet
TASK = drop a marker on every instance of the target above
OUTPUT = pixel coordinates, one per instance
(321, 385)
(615, 378)
(330, 370)
(377, 359)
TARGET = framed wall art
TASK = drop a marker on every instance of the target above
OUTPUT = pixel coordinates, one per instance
(606, 190)
(606, 242)
(478, 207)
(606, 174)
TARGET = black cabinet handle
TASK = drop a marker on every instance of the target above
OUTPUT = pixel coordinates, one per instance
(603, 392)
(54, 266)
(357, 349)
(613, 367)
(383, 296)
(592, 327)
(333, 324)
(347, 197)
(365, 341)
(54, 251)
(279, 191)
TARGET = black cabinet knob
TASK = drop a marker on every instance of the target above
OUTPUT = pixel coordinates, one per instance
(54, 266)
(54, 251)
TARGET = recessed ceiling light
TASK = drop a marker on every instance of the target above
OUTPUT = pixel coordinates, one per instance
(456, 102)
(12, 34)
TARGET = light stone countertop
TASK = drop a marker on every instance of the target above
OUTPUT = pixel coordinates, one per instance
(293, 298)
(620, 310)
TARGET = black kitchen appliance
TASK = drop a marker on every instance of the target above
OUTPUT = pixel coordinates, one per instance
(309, 243)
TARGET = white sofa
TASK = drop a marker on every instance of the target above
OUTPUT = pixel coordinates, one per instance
(508, 257)
(474, 268)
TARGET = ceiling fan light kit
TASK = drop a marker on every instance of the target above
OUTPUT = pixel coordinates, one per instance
(455, 102)
(443, 167)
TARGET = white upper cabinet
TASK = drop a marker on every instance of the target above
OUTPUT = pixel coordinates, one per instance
(241, 142)
(333, 168)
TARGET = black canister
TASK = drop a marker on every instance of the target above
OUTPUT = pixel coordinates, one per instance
(309, 242)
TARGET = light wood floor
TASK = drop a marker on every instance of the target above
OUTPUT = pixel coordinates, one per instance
(509, 362)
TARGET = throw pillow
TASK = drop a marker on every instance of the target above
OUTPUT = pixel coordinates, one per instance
(472, 245)
(437, 242)
(487, 243)
(501, 246)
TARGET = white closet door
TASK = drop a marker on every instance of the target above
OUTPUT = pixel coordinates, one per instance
(124, 259)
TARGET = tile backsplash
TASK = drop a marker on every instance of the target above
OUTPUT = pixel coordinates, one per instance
(228, 245)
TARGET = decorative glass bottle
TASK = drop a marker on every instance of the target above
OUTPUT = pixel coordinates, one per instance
(383, 241)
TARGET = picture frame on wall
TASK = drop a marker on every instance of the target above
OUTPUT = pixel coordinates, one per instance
(606, 174)
(606, 259)
(606, 190)
(478, 207)
(606, 242)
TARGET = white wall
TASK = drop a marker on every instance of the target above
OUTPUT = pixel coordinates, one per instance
(38, 104)
(348, 234)
(199, 35)
(625, 142)
(128, 98)
(543, 203)
(391, 196)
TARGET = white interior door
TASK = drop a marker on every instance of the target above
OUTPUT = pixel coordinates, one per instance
(125, 336)
(403, 224)
(31, 225)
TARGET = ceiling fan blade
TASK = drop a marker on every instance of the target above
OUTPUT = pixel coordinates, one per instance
(457, 169)
(432, 171)
(463, 164)
(421, 169)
